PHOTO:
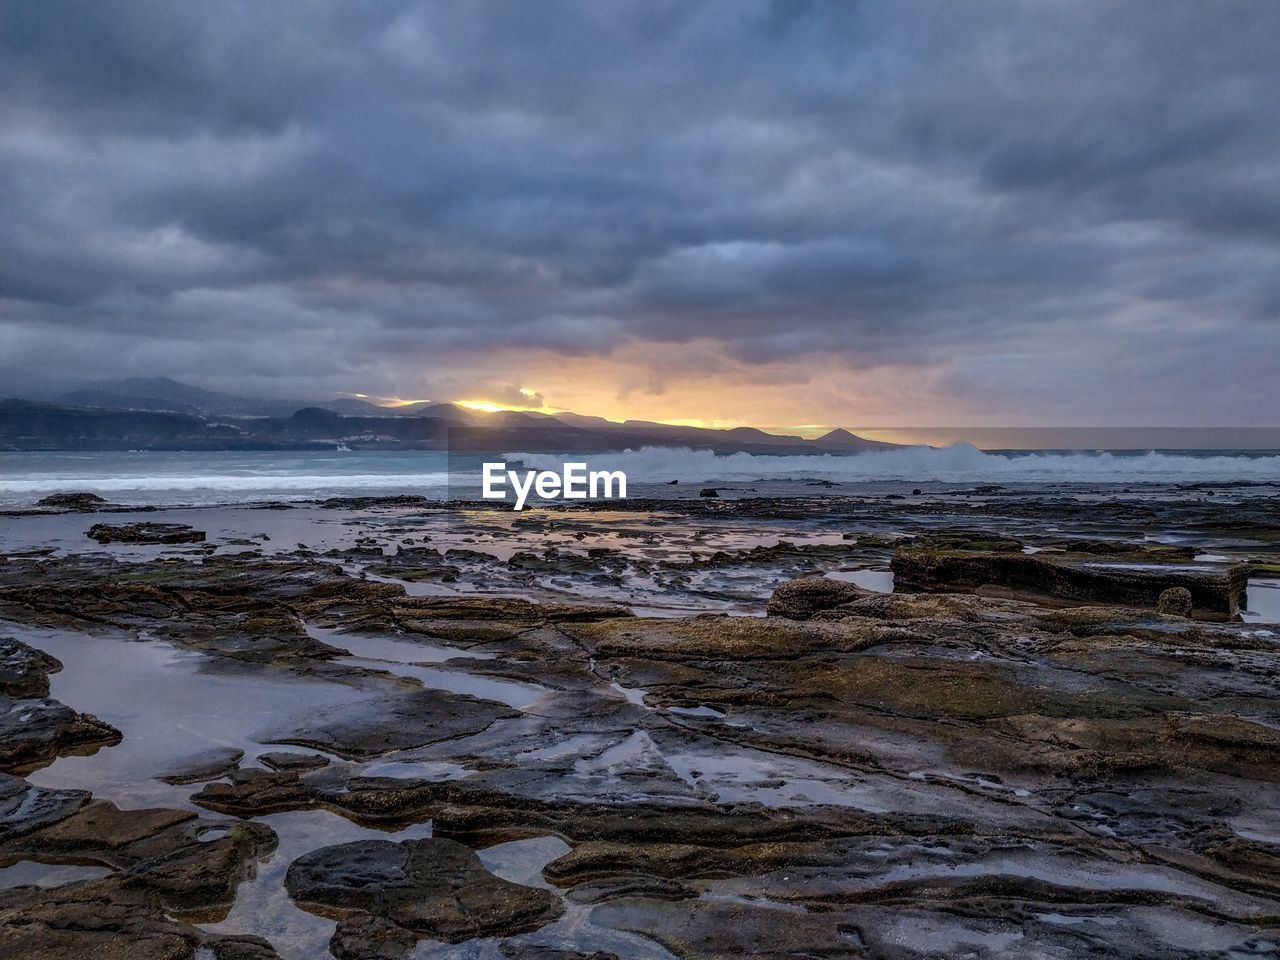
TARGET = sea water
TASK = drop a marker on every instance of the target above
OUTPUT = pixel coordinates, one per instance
(170, 478)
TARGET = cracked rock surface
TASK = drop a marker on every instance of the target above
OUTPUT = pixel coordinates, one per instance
(646, 739)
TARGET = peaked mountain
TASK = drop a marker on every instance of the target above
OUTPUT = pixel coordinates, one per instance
(842, 438)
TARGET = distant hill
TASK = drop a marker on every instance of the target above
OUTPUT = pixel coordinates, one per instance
(165, 394)
(429, 408)
(104, 399)
(163, 414)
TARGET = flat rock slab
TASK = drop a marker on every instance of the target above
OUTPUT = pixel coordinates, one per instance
(24, 808)
(203, 767)
(1219, 592)
(388, 892)
(147, 533)
(162, 863)
(101, 826)
(164, 856)
(364, 730)
(285, 760)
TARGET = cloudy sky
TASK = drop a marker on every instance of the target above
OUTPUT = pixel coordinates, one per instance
(793, 213)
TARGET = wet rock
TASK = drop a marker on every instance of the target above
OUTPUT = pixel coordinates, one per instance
(284, 760)
(1217, 592)
(188, 864)
(800, 599)
(531, 951)
(728, 930)
(101, 827)
(251, 792)
(72, 501)
(24, 671)
(718, 638)
(242, 608)
(145, 533)
(960, 539)
(362, 730)
(468, 621)
(79, 924)
(164, 863)
(24, 808)
(203, 767)
(35, 731)
(417, 889)
(363, 937)
(414, 565)
(708, 492)
(1228, 744)
(1174, 602)
(553, 561)
(783, 552)
(1155, 552)
(897, 775)
(399, 501)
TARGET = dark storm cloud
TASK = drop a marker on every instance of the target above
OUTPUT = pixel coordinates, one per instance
(359, 195)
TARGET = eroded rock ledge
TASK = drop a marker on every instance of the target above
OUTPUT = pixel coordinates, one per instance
(860, 774)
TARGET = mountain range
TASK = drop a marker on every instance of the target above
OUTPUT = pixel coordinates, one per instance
(157, 413)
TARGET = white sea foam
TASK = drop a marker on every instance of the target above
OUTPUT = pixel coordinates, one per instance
(957, 464)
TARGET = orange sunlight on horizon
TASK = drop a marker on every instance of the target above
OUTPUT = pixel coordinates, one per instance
(695, 384)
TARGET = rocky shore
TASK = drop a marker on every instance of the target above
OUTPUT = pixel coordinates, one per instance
(1042, 743)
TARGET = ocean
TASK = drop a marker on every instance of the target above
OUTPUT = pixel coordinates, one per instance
(197, 478)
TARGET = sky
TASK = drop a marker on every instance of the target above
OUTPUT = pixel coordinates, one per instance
(791, 214)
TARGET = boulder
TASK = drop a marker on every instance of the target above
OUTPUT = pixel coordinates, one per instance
(800, 599)
(1174, 602)
(397, 893)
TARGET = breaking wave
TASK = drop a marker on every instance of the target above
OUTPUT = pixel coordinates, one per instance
(961, 463)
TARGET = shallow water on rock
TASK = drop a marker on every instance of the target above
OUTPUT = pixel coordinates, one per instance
(521, 861)
(392, 648)
(408, 659)
(169, 704)
(33, 873)
(1263, 602)
(880, 581)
